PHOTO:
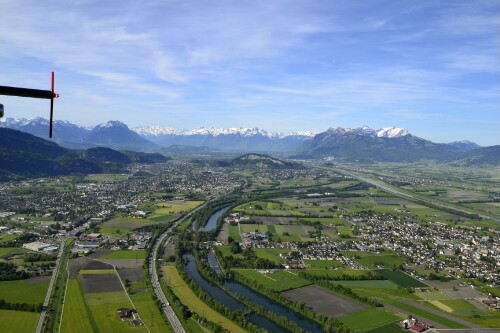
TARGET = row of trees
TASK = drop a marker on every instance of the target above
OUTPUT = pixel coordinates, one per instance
(8, 272)
(20, 306)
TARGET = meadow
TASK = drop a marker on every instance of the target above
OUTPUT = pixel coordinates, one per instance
(279, 281)
(18, 321)
(189, 299)
(31, 291)
(369, 319)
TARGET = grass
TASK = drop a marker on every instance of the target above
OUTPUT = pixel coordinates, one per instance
(6, 238)
(77, 317)
(7, 251)
(125, 254)
(382, 284)
(389, 328)
(103, 307)
(234, 233)
(322, 263)
(372, 260)
(149, 312)
(400, 278)
(271, 254)
(432, 295)
(106, 177)
(369, 319)
(427, 315)
(189, 299)
(336, 273)
(22, 291)
(18, 321)
(279, 281)
(462, 308)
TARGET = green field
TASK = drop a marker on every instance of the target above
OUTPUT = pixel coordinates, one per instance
(389, 328)
(400, 278)
(23, 291)
(462, 307)
(382, 284)
(149, 312)
(425, 314)
(268, 209)
(234, 233)
(103, 307)
(18, 321)
(6, 238)
(106, 177)
(7, 251)
(189, 299)
(271, 254)
(315, 264)
(279, 281)
(369, 319)
(76, 317)
(372, 260)
(432, 295)
(125, 254)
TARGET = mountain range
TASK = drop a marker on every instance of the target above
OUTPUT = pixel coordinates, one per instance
(390, 144)
(23, 154)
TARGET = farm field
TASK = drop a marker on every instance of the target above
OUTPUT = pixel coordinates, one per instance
(382, 284)
(278, 281)
(372, 260)
(18, 321)
(6, 237)
(106, 177)
(325, 301)
(76, 317)
(149, 312)
(315, 264)
(189, 299)
(417, 311)
(400, 278)
(103, 307)
(31, 291)
(370, 319)
(125, 254)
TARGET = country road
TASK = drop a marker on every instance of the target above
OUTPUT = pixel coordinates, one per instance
(409, 196)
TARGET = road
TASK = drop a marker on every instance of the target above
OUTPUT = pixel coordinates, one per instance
(51, 286)
(153, 273)
(406, 195)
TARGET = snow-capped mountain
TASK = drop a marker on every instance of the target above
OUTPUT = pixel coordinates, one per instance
(392, 132)
(63, 130)
(243, 131)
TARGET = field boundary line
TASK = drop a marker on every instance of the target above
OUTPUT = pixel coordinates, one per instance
(291, 272)
(126, 293)
(269, 277)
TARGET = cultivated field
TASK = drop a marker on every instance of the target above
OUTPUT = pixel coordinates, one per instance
(324, 301)
(279, 281)
(18, 321)
(31, 291)
(371, 319)
(400, 278)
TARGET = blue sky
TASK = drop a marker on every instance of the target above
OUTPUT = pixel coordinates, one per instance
(432, 67)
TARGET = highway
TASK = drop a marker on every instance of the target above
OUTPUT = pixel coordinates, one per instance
(153, 273)
(406, 195)
(51, 286)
